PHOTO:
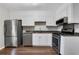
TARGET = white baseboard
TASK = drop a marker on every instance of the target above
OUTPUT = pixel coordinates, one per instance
(2, 48)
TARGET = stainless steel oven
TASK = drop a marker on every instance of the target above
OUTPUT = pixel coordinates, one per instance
(56, 42)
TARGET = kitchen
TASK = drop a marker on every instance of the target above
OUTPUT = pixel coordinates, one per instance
(39, 28)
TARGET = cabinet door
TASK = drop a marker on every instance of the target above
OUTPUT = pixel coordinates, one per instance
(35, 41)
(49, 39)
(43, 40)
(69, 45)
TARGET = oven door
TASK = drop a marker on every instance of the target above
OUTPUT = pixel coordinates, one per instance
(56, 43)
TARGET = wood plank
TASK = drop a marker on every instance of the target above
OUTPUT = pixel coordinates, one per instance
(28, 51)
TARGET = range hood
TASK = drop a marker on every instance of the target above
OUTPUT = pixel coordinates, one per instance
(40, 25)
(40, 22)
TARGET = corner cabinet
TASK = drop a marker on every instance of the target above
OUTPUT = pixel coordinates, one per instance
(42, 39)
(69, 45)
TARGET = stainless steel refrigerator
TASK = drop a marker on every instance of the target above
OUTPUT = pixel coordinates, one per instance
(13, 33)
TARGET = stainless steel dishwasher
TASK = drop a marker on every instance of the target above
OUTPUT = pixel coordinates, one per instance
(27, 39)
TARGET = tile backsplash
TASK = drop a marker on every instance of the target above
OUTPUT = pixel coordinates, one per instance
(40, 27)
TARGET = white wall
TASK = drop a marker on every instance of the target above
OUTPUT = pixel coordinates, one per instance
(28, 17)
(3, 16)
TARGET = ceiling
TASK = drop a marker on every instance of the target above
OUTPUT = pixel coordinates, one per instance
(31, 6)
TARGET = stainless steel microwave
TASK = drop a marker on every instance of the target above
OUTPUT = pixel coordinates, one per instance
(62, 21)
(68, 28)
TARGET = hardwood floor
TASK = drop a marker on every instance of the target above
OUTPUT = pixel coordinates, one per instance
(28, 51)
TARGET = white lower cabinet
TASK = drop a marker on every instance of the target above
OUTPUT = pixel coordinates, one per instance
(35, 40)
(69, 45)
(42, 39)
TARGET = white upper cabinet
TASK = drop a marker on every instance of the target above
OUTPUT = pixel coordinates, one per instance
(75, 14)
(61, 12)
(69, 13)
(70, 10)
(29, 17)
(65, 10)
(51, 21)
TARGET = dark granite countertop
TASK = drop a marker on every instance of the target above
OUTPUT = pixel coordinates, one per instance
(75, 34)
(46, 32)
(56, 32)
